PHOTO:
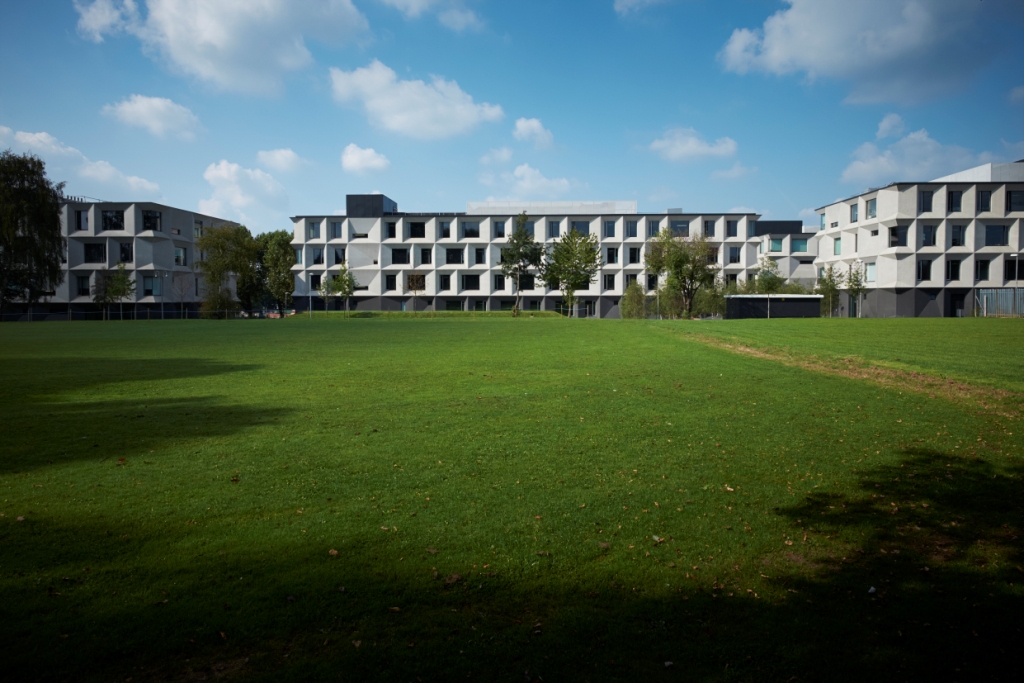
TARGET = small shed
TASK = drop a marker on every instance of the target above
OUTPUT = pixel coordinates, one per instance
(741, 306)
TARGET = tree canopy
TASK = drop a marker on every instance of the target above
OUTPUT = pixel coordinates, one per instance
(688, 263)
(278, 257)
(519, 255)
(226, 249)
(571, 265)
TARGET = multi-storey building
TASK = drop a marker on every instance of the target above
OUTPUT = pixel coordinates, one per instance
(459, 253)
(155, 242)
(941, 248)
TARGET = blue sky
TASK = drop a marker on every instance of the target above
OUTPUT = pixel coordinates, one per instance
(256, 110)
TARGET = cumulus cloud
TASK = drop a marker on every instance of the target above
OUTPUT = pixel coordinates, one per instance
(410, 8)
(284, 160)
(1017, 94)
(159, 115)
(232, 44)
(889, 50)
(427, 111)
(738, 170)
(355, 159)
(532, 130)
(685, 144)
(248, 195)
(890, 126)
(500, 155)
(915, 157)
(451, 13)
(529, 182)
(624, 7)
(63, 159)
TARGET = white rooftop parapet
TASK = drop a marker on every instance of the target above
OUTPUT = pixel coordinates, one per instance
(988, 173)
(551, 208)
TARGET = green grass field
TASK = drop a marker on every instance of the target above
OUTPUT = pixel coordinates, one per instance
(506, 500)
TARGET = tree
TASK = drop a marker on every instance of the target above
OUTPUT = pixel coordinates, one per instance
(571, 265)
(278, 259)
(769, 277)
(855, 285)
(114, 288)
(416, 283)
(829, 284)
(519, 255)
(711, 300)
(688, 262)
(181, 288)
(344, 284)
(633, 303)
(226, 249)
(32, 246)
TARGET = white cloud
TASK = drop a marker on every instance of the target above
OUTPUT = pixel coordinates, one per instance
(460, 19)
(250, 196)
(451, 14)
(283, 160)
(500, 155)
(532, 130)
(529, 182)
(63, 159)
(237, 45)
(738, 170)
(428, 111)
(355, 159)
(158, 115)
(915, 157)
(684, 144)
(624, 7)
(411, 8)
(889, 50)
(1017, 94)
(890, 126)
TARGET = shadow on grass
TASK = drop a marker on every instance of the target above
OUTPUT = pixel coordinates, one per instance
(944, 605)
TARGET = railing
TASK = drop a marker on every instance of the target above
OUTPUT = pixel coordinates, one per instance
(999, 303)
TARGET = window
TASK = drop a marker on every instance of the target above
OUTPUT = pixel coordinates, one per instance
(928, 236)
(553, 229)
(582, 227)
(752, 228)
(82, 282)
(426, 255)
(732, 228)
(313, 231)
(444, 283)
(924, 201)
(113, 220)
(197, 229)
(499, 283)
(954, 200)
(799, 244)
(822, 221)
(712, 256)
(526, 282)
(613, 255)
(924, 269)
(452, 256)
(609, 228)
(125, 252)
(630, 278)
(837, 246)
(336, 230)
(1014, 200)
(480, 257)
(390, 231)
(453, 305)
(874, 233)
(734, 254)
(984, 200)
(981, 269)
(631, 228)
(652, 282)
(897, 237)
(997, 236)
(470, 230)
(95, 253)
(854, 210)
(680, 228)
(776, 244)
(151, 286)
(871, 208)
(530, 229)
(952, 270)
(634, 254)
(609, 281)
(446, 228)
(339, 255)
(652, 228)
(318, 257)
(731, 278)
(958, 236)
(470, 282)
(499, 228)
(417, 230)
(81, 220)
(869, 272)
(390, 282)
(180, 256)
(479, 305)
(399, 256)
(1011, 270)
(298, 256)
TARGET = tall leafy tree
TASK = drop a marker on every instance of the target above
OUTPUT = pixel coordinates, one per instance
(416, 284)
(119, 286)
(829, 284)
(633, 303)
(519, 255)
(32, 247)
(278, 259)
(855, 285)
(344, 284)
(571, 265)
(226, 249)
(688, 263)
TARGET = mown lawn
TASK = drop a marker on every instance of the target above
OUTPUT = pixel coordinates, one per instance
(502, 500)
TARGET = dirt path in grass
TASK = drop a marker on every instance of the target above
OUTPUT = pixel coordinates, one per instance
(987, 399)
